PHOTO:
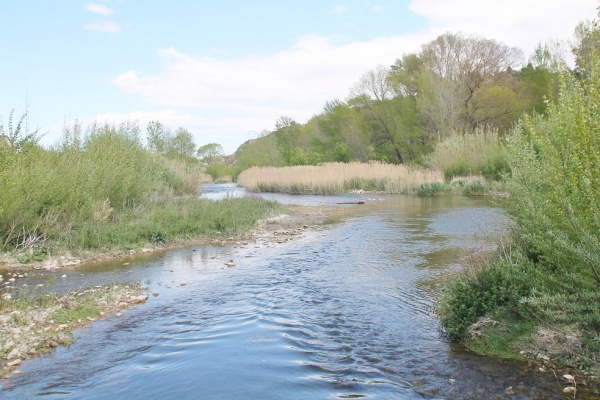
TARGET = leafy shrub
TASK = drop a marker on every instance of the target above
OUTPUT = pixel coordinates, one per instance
(464, 154)
(495, 288)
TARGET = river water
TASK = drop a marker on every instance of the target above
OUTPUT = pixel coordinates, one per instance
(342, 311)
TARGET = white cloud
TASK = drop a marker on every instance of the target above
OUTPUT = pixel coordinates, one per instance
(103, 26)
(520, 23)
(248, 94)
(224, 98)
(378, 8)
(340, 9)
(98, 9)
(298, 79)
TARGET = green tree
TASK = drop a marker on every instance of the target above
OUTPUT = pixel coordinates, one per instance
(183, 144)
(211, 153)
(158, 137)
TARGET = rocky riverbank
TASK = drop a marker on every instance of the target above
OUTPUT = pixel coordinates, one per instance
(34, 321)
(265, 230)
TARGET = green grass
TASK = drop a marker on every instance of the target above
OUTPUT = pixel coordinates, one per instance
(105, 191)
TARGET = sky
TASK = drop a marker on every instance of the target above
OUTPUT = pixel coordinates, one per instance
(227, 70)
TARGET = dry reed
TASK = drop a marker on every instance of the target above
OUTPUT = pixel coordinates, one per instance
(335, 178)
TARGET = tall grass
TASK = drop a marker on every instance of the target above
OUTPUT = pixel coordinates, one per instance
(104, 190)
(335, 178)
(466, 154)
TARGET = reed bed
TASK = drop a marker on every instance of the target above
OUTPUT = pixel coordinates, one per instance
(466, 154)
(336, 178)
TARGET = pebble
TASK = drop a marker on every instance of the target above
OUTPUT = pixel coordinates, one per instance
(64, 276)
(119, 315)
(155, 294)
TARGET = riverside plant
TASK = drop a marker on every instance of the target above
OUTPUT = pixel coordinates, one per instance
(544, 292)
(105, 191)
(469, 154)
(337, 178)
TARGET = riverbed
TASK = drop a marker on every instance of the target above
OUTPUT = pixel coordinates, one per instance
(343, 310)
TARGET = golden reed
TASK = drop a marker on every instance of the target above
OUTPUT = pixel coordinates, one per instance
(333, 178)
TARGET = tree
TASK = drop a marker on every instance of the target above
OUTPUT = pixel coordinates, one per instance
(405, 74)
(210, 153)
(183, 143)
(454, 68)
(157, 137)
(587, 37)
(371, 96)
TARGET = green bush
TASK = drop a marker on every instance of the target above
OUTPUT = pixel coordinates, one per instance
(469, 153)
(104, 190)
(496, 288)
(551, 278)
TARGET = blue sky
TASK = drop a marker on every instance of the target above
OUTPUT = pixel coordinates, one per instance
(228, 69)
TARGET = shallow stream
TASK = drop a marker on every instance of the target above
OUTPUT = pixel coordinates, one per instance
(342, 311)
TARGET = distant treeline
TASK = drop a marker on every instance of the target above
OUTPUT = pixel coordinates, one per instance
(456, 84)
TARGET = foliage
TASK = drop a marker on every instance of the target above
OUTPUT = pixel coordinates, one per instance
(555, 183)
(477, 153)
(455, 83)
(18, 136)
(550, 278)
(163, 141)
(493, 290)
(218, 171)
(103, 190)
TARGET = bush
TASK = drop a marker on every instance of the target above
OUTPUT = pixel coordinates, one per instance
(553, 275)
(477, 153)
(496, 288)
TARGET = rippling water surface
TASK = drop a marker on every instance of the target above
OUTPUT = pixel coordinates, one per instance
(345, 311)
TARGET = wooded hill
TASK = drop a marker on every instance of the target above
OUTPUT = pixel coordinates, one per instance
(396, 114)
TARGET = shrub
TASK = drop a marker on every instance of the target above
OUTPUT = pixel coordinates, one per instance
(464, 154)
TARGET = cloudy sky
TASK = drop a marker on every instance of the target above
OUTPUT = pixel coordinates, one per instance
(228, 69)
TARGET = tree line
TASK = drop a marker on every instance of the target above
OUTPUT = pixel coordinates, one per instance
(454, 84)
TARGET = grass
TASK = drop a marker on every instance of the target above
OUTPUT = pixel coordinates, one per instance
(337, 178)
(469, 154)
(104, 191)
(466, 186)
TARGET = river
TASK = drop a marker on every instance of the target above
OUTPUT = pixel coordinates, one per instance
(342, 311)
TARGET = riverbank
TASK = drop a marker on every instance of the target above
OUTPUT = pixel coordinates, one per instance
(289, 219)
(34, 320)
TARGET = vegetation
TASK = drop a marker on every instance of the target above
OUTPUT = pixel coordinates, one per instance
(541, 293)
(105, 191)
(336, 178)
(399, 114)
(478, 153)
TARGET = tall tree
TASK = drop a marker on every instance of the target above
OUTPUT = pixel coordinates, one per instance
(455, 68)
(211, 153)
(371, 96)
(183, 143)
(157, 137)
